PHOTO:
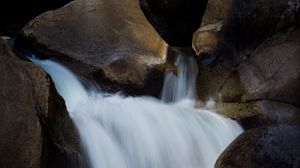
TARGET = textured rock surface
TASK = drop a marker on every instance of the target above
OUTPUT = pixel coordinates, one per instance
(260, 113)
(219, 81)
(264, 74)
(216, 11)
(272, 71)
(175, 20)
(118, 50)
(20, 128)
(61, 142)
(276, 147)
(35, 128)
(208, 37)
(245, 25)
(249, 23)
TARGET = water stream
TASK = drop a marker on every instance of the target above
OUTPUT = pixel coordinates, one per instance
(144, 132)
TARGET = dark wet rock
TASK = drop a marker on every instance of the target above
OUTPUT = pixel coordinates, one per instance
(14, 14)
(175, 20)
(61, 141)
(272, 71)
(250, 22)
(267, 81)
(20, 128)
(275, 146)
(36, 130)
(119, 50)
(260, 113)
(245, 25)
(219, 81)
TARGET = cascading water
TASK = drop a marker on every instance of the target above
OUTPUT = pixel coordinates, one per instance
(143, 132)
(181, 86)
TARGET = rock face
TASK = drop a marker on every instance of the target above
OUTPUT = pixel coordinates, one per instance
(276, 147)
(254, 61)
(175, 20)
(249, 23)
(208, 37)
(14, 14)
(119, 50)
(35, 128)
(272, 71)
(20, 128)
(245, 24)
(61, 141)
(260, 113)
(219, 81)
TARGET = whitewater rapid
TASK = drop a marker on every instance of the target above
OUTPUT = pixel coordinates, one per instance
(144, 132)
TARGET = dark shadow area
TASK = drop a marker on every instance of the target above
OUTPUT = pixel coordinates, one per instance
(14, 14)
(175, 20)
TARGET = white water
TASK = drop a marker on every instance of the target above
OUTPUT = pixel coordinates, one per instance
(181, 86)
(142, 132)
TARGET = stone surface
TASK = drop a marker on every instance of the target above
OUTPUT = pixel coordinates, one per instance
(219, 81)
(208, 38)
(260, 113)
(216, 11)
(245, 25)
(264, 88)
(20, 128)
(36, 130)
(272, 71)
(249, 59)
(119, 50)
(14, 14)
(61, 141)
(275, 146)
(250, 22)
(175, 20)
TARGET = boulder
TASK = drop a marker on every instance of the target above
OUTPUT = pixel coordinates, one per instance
(61, 141)
(119, 50)
(20, 128)
(272, 71)
(274, 146)
(207, 38)
(216, 11)
(175, 20)
(248, 53)
(219, 81)
(260, 113)
(264, 88)
(36, 130)
(248, 23)
(14, 14)
(244, 26)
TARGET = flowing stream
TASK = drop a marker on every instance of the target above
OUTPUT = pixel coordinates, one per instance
(144, 132)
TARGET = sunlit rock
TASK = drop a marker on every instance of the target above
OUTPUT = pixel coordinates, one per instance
(110, 42)
(208, 37)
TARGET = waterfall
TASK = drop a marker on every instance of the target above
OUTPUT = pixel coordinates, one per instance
(144, 132)
(181, 86)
